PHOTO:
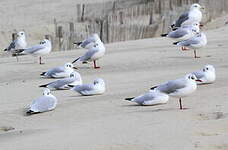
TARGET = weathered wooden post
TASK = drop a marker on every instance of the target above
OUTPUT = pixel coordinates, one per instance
(121, 17)
(60, 36)
(71, 36)
(14, 36)
(79, 12)
(83, 12)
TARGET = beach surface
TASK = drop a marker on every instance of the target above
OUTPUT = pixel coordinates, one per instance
(108, 122)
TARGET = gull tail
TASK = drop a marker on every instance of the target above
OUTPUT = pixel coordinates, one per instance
(30, 112)
(153, 87)
(76, 60)
(78, 43)
(45, 85)
(129, 99)
(18, 51)
(175, 43)
(164, 35)
(43, 73)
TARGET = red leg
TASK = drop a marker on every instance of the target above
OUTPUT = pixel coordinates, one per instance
(195, 54)
(184, 48)
(94, 64)
(180, 104)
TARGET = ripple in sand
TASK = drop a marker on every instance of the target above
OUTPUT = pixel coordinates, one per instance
(212, 116)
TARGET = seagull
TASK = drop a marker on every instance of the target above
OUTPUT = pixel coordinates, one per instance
(196, 42)
(59, 72)
(97, 87)
(63, 84)
(193, 15)
(183, 33)
(94, 53)
(206, 75)
(44, 103)
(152, 97)
(18, 43)
(41, 49)
(179, 88)
(89, 42)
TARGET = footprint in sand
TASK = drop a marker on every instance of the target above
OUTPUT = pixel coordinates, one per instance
(6, 128)
(212, 116)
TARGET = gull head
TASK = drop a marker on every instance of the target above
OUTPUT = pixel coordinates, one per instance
(21, 34)
(95, 37)
(192, 77)
(208, 68)
(46, 91)
(196, 6)
(68, 65)
(99, 81)
(45, 42)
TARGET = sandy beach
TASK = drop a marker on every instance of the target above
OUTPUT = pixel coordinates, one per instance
(107, 122)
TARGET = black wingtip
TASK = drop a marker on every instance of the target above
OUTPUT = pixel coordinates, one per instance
(43, 73)
(45, 85)
(71, 85)
(29, 112)
(164, 35)
(77, 43)
(153, 87)
(76, 60)
(6, 49)
(129, 99)
(175, 43)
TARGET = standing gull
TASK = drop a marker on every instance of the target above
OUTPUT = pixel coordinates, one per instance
(64, 84)
(153, 97)
(206, 75)
(193, 15)
(59, 72)
(41, 49)
(89, 42)
(196, 42)
(183, 33)
(44, 103)
(95, 88)
(179, 88)
(18, 43)
(94, 53)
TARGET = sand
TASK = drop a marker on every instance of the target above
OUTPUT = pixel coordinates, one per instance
(108, 122)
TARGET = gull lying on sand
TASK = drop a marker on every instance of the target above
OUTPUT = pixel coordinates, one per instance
(196, 42)
(41, 49)
(153, 97)
(179, 88)
(94, 53)
(64, 84)
(95, 88)
(193, 15)
(206, 75)
(18, 43)
(44, 103)
(59, 72)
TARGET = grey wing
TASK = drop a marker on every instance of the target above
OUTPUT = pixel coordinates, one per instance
(172, 86)
(181, 19)
(178, 33)
(190, 42)
(84, 87)
(88, 54)
(11, 46)
(54, 71)
(146, 97)
(34, 49)
(199, 74)
(42, 104)
(86, 42)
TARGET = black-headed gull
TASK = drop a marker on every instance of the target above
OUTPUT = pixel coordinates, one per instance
(44, 103)
(18, 43)
(196, 42)
(183, 33)
(152, 97)
(63, 84)
(59, 72)
(95, 88)
(193, 15)
(206, 75)
(94, 53)
(41, 49)
(179, 88)
(89, 42)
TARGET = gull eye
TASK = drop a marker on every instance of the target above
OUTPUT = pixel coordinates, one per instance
(207, 68)
(192, 78)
